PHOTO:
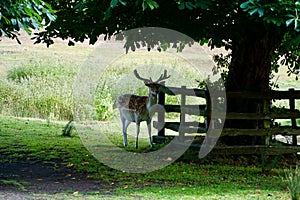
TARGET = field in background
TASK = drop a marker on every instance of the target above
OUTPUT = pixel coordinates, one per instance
(38, 82)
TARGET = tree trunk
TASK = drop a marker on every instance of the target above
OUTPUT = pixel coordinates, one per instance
(249, 70)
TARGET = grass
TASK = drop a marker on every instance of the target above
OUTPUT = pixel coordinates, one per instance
(184, 179)
(293, 177)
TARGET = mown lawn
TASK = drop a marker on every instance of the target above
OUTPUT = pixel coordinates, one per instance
(184, 179)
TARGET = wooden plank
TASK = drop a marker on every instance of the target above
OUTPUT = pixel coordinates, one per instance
(257, 149)
(192, 127)
(188, 109)
(163, 139)
(273, 94)
(258, 132)
(188, 92)
(260, 116)
(244, 150)
(186, 128)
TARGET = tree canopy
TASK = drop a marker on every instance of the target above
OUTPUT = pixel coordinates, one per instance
(269, 27)
(24, 14)
(217, 22)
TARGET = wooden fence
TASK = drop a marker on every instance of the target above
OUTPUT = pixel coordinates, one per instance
(265, 115)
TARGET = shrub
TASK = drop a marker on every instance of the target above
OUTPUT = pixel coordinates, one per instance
(103, 103)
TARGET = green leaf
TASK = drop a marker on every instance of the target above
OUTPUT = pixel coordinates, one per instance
(123, 2)
(288, 22)
(3, 32)
(113, 3)
(204, 41)
(181, 6)
(36, 8)
(291, 16)
(152, 4)
(252, 12)
(260, 12)
(245, 5)
(13, 21)
(6, 20)
(50, 16)
(155, 4)
(144, 5)
(35, 24)
(189, 5)
(107, 14)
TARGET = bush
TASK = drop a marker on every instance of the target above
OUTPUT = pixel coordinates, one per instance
(103, 103)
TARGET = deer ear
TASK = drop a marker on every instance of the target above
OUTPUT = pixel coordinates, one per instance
(148, 84)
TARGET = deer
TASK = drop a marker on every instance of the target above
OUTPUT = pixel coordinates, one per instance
(136, 109)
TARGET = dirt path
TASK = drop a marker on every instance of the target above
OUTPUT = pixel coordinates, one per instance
(25, 179)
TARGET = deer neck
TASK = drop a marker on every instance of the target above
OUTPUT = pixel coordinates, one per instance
(152, 99)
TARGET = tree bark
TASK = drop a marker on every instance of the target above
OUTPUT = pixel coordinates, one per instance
(249, 70)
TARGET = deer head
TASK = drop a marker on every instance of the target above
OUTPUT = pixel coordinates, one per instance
(153, 85)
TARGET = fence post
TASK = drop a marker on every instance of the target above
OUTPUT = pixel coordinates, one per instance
(266, 123)
(208, 109)
(161, 114)
(292, 108)
(182, 112)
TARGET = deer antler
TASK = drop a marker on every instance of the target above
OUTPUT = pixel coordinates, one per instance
(162, 77)
(138, 77)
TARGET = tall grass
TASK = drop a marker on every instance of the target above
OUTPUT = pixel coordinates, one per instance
(37, 89)
(293, 182)
(45, 88)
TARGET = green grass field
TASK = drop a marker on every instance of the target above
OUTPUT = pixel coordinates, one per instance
(39, 140)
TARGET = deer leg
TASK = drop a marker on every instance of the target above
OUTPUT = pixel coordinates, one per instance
(125, 124)
(137, 135)
(149, 132)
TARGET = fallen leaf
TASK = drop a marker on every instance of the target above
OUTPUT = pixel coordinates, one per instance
(40, 179)
(70, 165)
(258, 191)
(76, 192)
(169, 159)
(85, 163)
(125, 187)
(68, 175)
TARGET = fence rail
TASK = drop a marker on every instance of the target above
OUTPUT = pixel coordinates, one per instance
(265, 116)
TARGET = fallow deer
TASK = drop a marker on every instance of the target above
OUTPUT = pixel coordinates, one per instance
(135, 108)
